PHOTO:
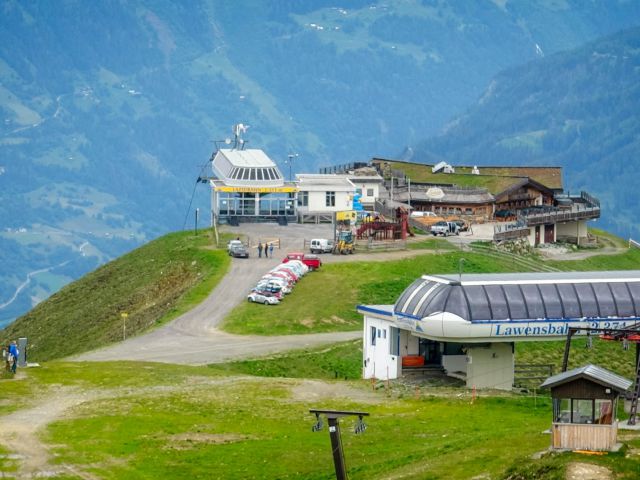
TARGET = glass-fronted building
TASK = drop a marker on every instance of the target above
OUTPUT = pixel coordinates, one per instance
(248, 187)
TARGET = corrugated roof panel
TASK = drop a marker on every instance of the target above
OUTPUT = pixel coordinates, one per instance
(510, 300)
(597, 374)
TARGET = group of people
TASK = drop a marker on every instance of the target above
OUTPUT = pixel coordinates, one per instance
(267, 249)
(10, 356)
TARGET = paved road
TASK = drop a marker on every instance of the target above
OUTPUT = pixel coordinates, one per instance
(194, 338)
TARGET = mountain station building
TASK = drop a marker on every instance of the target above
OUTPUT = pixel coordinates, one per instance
(248, 186)
(468, 325)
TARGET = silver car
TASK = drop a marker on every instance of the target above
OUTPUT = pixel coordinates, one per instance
(264, 299)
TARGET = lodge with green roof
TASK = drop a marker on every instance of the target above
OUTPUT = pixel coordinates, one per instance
(526, 202)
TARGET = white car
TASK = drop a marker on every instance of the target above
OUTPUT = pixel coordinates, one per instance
(299, 265)
(259, 298)
(233, 244)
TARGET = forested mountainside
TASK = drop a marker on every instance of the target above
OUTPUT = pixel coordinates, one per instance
(578, 109)
(109, 109)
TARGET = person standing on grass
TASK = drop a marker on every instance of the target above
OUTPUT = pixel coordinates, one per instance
(5, 358)
(259, 249)
(13, 355)
(271, 250)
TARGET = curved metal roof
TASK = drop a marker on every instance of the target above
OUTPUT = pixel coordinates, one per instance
(520, 297)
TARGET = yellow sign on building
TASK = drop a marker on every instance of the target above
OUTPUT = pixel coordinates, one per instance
(257, 189)
(346, 215)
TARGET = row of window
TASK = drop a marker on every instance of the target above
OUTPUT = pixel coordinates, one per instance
(394, 344)
(329, 199)
(240, 173)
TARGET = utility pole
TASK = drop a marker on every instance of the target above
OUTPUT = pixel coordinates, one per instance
(196, 226)
(291, 156)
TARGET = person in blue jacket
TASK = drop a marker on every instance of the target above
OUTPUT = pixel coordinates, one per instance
(13, 351)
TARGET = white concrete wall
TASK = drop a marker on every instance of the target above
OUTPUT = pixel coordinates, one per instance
(409, 344)
(317, 202)
(378, 362)
(571, 229)
(364, 186)
(454, 363)
(490, 367)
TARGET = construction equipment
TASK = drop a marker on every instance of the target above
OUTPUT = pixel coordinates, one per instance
(344, 243)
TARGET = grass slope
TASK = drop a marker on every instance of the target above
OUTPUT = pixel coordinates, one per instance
(325, 300)
(152, 284)
(161, 421)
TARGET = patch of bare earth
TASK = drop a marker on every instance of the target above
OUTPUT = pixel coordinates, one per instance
(20, 433)
(587, 471)
(315, 390)
(189, 440)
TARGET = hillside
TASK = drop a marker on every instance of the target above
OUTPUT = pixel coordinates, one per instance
(575, 109)
(109, 110)
(150, 284)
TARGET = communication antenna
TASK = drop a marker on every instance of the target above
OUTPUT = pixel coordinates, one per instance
(238, 129)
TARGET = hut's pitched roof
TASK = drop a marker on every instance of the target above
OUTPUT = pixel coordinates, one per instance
(594, 373)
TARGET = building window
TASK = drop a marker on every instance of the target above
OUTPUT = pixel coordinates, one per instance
(303, 199)
(330, 199)
(373, 336)
(394, 341)
(369, 192)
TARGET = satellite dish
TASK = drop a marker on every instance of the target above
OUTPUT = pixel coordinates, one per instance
(227, 141)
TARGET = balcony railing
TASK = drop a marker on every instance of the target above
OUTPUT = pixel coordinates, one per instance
(555, 215)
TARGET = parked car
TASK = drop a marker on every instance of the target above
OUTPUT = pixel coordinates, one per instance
(232, 244)
(321, 245)
(311, 261)
(273, 283)
(269, 292)
(239, 251)
(260, 298)
(282, 276)
(445, 228)
(301, 267)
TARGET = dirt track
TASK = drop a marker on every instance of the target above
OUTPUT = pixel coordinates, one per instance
(194, 339)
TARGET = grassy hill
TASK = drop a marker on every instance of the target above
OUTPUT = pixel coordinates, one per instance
(134, 420)
(151, 284)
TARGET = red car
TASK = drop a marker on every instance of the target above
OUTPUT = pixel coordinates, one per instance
(311, 261)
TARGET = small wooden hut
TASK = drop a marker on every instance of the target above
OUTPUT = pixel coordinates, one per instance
(584, 408)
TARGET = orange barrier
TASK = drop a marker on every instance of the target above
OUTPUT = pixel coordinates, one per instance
(412, 361)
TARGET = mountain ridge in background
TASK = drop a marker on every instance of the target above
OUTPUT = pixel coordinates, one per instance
(110, 110)
(575, 109)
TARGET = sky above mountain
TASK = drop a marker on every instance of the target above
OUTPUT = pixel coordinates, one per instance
(111, 109)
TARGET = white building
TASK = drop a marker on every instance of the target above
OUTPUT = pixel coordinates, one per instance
(320, 195)
(368, 187)
(248, 186)
(469, 326)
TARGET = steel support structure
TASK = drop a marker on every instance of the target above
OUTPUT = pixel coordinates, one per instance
(334, 434)
(618, 334)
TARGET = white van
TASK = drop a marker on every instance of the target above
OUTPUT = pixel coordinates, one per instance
(420, 213)
(321, 245)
